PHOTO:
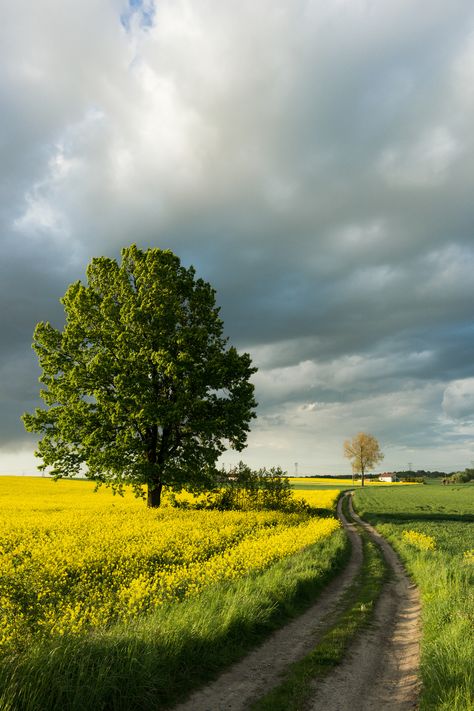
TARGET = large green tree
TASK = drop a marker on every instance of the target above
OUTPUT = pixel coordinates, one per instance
(140, 386)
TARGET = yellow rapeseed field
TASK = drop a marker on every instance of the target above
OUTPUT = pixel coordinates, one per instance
(72, 559)
(319, 499)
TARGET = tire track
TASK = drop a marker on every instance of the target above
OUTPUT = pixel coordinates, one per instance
(380, 673)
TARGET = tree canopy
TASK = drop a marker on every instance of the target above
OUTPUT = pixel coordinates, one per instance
(140, 386)
(364, 452)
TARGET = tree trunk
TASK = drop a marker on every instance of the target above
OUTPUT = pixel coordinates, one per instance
(154, 495)
(363, 473)
(155, 487)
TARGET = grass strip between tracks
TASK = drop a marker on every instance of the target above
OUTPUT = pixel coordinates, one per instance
(355, 612)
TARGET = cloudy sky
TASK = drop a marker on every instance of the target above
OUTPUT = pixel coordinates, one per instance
(313, 159)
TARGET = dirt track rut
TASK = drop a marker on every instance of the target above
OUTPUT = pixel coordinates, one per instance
(380, 673)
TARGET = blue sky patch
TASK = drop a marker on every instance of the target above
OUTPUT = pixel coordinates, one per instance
(144, 9)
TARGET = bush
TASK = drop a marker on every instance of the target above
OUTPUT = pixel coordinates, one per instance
(460, 477)
(243, 489)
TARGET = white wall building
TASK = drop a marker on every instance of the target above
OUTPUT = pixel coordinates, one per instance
(388, 478)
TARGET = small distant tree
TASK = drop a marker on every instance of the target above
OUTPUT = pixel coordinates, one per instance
(364, 452)
(140, 387)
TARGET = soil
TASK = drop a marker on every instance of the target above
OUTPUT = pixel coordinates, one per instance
(379, 673)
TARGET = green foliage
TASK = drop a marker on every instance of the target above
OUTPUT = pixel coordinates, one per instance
(460, 477)
(262, 489)
(140, 386)
(407, 474)
(244, 489)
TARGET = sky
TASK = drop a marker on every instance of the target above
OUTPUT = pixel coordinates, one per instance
(314, 160)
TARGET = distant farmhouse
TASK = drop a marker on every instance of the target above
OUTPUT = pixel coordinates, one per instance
(388, 477)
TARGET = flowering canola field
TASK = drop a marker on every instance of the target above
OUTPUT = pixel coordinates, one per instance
(72, 559)
(319, 499)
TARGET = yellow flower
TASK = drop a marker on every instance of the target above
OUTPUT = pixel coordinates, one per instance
(419, 540)
(319, 499)
(469, 556)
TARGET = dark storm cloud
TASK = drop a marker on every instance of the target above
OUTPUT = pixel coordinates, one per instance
(312, 160)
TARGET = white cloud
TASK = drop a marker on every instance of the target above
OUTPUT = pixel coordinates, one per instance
(423, 163)
(458, 399)
(345, 375)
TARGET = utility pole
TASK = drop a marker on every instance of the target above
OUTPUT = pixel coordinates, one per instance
(296, 468)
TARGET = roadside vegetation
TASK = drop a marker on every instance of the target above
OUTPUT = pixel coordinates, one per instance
(432, 528)
(108, 604)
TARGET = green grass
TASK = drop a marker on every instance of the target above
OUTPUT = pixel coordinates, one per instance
(424, 503)
(154, 662)
(445, 578)
(356, 610)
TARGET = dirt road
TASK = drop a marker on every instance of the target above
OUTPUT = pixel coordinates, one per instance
(380, 672)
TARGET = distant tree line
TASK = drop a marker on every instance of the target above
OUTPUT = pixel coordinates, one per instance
(404, 475)
(460, 477)
(419, 474)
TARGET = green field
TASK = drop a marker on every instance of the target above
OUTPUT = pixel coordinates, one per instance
(328, 483)
(444, 516)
